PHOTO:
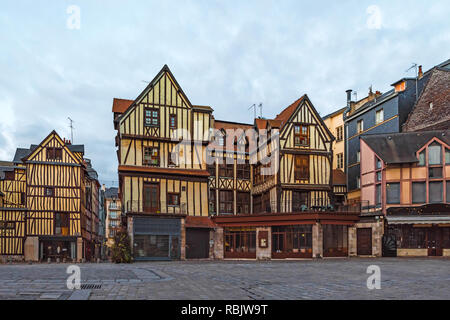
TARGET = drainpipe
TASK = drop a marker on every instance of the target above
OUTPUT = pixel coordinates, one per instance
(349, 102)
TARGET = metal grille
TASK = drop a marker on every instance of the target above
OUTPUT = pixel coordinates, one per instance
(90, 286)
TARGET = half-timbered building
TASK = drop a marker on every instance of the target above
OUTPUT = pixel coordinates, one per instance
(58, 190)
(194, 187)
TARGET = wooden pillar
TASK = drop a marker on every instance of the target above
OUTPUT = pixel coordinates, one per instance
(183, 240)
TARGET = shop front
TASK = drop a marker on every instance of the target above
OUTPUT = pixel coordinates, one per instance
(420, 236)
(156, 238)
(57, 248)
(285, 235)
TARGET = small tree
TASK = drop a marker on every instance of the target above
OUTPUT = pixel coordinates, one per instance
(121, 249)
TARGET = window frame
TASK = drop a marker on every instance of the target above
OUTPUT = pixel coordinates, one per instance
(171, 199)
(300, 135)
(46, 193)
(173, 117)
(147, 163)
(152, 117)
(54, 153)
(359, 126)
(301, 172)
(424, 183)
(377, 120)
(389, 201)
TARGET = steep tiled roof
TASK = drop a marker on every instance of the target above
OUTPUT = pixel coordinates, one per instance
(112, 192)
(286, 113)
(121, 105)
(436, 94)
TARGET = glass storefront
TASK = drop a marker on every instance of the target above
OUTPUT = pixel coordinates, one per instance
(335, 240)
(240, 242)
(292, 242)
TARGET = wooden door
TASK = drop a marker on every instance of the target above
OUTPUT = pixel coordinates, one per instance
(434, 242)
(151, 198)
(197, 242)
(364, 241)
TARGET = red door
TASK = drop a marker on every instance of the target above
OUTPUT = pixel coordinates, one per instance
(151, 198)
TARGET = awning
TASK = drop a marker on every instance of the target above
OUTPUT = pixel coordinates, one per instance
(418, 220)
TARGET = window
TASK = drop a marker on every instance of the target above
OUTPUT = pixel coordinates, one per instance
(299, 201)
(9, 175)
(88, 198)
(378, 195)
(211, 169)
(226, 170)
(434, 154)
(170, 162)
(358, 182)
(301, 167)
(173, 199)
(358, 156)
(340, 161)
(49, 191)
(23, 198)
(422, 158)
(435, 190)
(447, 156)
(151, 117)
(435, 172)
(301, 135)
(151, 156)
(393, 193)
(61, 221)
(243, 171)
(447, 189)
(379, 116)
(173, 121)
(379, 176)
(378, 163)
(419, 192)
(339, 133)
(54, 153)
(226, 201)
(360, 126)
(243, 202)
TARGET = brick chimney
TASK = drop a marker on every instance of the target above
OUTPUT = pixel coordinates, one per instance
(420, 75)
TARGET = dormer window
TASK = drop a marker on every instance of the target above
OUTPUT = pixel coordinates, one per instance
(301, 135)
(422, 159)
(434, 154)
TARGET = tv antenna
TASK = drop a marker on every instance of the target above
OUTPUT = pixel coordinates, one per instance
(71, 129)
(414, 66)
(254, 109)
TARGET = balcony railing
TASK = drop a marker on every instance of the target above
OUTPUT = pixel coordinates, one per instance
(135, 206)
(314, 205)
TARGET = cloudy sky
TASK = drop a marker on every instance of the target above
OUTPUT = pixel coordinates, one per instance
(226, 54)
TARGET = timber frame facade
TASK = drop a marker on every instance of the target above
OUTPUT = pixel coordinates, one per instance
(178, 205)
(52, 199)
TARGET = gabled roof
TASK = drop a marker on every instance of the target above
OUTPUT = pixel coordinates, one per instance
(121, 105)
(21, 153)
(221, 124)
(287, 113)
(150, 85)
(397, 148)
(334, 113)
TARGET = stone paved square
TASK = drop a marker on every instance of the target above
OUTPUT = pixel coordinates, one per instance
(401, 278)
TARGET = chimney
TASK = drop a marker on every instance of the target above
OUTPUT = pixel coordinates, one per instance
(420, 75)
(349, 97)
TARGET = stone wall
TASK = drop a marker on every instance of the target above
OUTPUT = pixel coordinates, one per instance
(317, 240)
(446, 252)
(183, 240)
(218, 244)
(412, 252)
(264, 253)
(31, 250)
(377, 235)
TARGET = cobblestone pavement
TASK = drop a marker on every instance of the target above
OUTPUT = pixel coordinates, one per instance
(401, 278)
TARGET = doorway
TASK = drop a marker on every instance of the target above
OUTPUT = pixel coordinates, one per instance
(197, 242)
(364, 241)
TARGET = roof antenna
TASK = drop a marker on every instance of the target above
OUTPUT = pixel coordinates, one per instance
(71, 129)
(254, 109)
(414, 66)
(260, 109)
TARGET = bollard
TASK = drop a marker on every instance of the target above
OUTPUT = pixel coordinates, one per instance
(49, 260)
